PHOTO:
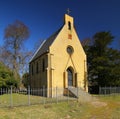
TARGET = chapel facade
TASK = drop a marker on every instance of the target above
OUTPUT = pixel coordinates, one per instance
(60, 61)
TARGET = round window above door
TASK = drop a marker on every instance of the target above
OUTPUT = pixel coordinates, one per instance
(70, 50)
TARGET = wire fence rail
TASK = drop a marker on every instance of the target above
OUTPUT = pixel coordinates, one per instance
(14, 97)
(109, 90)
(26, 97)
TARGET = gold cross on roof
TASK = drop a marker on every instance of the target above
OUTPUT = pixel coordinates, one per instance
(68, 11)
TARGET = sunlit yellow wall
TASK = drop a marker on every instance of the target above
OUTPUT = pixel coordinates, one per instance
(61, 60)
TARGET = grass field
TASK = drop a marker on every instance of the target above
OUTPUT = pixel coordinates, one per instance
(104, 107)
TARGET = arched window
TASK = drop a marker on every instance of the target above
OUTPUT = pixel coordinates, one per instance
(69, 25)
(32, 69)
(43, 65)
(37, 68)
(70, 77)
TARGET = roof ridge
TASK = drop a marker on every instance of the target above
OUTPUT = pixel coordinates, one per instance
(37, 50)
(44, 47)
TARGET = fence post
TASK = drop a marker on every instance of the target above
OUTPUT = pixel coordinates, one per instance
(68, 95)
(99, 90)
(28, 95)
(43, 94)
(115, 90)
(118, 90)
(105, 91)
(110, 90)
(11, 98)
(77, 94)
(56, 95)
(1, 91)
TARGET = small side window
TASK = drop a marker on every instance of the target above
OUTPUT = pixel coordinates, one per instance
(32, 69)
(37, 67)
(69, 25)
(43, 65)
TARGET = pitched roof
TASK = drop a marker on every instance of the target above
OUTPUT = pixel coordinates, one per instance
(44, 47)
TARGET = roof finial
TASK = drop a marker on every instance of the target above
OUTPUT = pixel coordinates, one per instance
(68, 11)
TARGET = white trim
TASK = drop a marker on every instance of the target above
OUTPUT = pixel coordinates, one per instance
(37, 50)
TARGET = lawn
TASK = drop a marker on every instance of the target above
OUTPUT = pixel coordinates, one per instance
(104, 107)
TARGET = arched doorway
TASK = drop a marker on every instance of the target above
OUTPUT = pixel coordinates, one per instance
(70, 77)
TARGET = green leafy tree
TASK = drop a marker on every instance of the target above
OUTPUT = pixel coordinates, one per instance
(6, 77)
(25, 80)
(103, 61)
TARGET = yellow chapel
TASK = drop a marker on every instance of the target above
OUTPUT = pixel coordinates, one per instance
(60, 61)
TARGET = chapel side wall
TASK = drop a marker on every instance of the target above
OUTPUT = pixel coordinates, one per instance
(38, 75)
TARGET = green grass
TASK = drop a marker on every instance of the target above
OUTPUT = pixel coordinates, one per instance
(17, 99)
(104, 107)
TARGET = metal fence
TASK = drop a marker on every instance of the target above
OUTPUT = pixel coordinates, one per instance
(109, 90)
(14, 97)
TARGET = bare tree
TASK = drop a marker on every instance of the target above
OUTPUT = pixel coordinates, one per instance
(24, 58)
(85, 42)
(14, 36)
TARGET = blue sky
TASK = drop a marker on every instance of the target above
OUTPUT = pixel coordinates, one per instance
(44, 17)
